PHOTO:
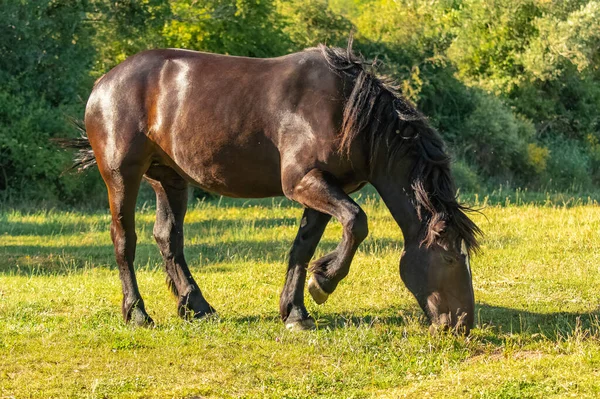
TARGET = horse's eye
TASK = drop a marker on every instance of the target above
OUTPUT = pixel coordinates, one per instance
(449, 259)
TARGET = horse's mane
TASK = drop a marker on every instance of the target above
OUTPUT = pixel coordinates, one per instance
(376, 110)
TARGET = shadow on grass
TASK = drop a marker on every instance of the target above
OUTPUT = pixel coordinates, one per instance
(503, 320)
(56, 228)
(495, 323)
(392, 316)
(202, 258)
(54, 260)
(61, 260)
(57, 260)
(551, 325)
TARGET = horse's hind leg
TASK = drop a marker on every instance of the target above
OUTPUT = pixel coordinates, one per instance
(291, 303)
(320, 191)
(123, 183)
(171, 205)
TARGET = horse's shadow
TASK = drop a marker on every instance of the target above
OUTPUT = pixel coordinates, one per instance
(39, 258)
(55, 227)
(553, 325)
(492, 321)
(54, 260)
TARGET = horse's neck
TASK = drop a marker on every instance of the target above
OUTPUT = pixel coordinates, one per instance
(397, 196)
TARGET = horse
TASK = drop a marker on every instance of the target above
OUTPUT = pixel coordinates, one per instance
(314, 126)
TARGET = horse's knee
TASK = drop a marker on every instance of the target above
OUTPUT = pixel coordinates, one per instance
(162, 236)
(168, 237)
(358, 225)
(161, 232)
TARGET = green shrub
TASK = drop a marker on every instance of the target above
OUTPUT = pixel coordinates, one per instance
(512, 86)
(465, 177)
(495, 139)
(537, 157)
(242, 27)
(568, 166)
(310, 22)
(31, 167)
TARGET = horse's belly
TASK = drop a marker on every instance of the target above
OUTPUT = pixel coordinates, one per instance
(252, 172)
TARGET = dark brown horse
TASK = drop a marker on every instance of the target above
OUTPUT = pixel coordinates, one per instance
(314, 126)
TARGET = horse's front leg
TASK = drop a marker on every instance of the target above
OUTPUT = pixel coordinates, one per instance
(321, 192)
(291, 303)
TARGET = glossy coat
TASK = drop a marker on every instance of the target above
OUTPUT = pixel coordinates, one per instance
(294, 126)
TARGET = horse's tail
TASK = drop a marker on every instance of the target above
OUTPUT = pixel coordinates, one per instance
(85, 156)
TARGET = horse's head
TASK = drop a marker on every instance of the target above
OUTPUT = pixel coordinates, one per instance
(438, 235)
(439, 276)
(434, 264)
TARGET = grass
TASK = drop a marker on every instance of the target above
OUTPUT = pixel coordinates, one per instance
(61, 334)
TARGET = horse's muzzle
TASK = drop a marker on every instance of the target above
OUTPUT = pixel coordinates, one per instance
(457, 323)
(446, 314)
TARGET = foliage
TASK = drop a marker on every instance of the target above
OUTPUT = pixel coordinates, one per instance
(45, 56)
(125, 27)
(569, 165)
(503, 80)
(494, 138)
(310, 22)
(537, 157)
(561, 42)
(501, 68)
(465, 177)
(240, 27)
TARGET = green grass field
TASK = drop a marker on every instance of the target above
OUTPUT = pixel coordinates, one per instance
(536, 284)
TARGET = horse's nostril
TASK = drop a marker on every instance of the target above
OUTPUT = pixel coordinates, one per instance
(445, 319)
(448, 322)
(462, 325)
(462, 329)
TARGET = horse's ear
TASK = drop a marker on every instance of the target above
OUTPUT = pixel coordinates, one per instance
(438, 227)
(434, 231)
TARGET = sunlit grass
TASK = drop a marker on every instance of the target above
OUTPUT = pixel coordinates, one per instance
(61, 335)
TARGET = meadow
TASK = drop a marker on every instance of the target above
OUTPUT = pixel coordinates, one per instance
(536, 284)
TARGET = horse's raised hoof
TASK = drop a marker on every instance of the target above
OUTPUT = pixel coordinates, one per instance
(316, 291)
(301, 325)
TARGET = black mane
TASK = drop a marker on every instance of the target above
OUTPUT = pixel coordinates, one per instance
(378, 111)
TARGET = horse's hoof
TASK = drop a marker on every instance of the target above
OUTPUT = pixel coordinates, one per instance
(139, 318)
(301, 325)
(202, 314)
(316, 291)
(210, 315)
(193, 306)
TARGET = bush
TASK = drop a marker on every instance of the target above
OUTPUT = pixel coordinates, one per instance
(44, 67)
(512, 86)
(31, 167)
(311, 22)
(568, 165)
(537, 157)
(465, 177)
(495, 139)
